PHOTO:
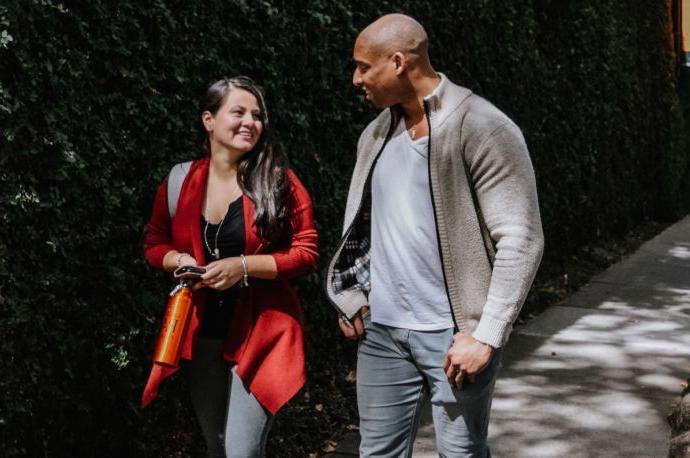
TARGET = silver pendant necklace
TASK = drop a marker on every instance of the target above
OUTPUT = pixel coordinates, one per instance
(216, 250)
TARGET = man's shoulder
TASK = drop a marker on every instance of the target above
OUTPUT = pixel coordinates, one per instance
(473, 110)
(455, 107)
(480, 114)
(480, 109)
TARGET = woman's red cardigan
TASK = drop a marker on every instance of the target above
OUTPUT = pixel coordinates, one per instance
(266, 335)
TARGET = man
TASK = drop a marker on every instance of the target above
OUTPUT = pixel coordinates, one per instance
(442, 240)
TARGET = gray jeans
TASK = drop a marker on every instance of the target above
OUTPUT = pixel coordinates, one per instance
(232, 421)
(397, 371)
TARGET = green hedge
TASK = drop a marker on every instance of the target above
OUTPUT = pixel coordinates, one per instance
(98, 100)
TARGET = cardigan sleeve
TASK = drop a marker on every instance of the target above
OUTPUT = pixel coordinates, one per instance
(302, 254)
(158, 239)
(505, 187)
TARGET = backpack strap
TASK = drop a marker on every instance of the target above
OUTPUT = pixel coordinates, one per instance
(175, 179)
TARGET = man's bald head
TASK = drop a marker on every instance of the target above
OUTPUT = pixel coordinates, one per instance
(392, 61)
(396, 33)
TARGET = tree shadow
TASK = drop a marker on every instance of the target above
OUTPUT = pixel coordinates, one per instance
(597, 374)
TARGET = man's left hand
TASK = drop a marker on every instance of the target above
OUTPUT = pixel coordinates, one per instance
(467, 357)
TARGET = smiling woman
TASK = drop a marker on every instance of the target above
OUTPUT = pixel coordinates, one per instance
(241, 209)
(237, 125)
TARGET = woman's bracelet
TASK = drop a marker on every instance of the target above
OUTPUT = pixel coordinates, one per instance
(245, 277)
(178, 258)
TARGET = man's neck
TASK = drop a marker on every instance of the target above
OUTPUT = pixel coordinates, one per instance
(413, 106)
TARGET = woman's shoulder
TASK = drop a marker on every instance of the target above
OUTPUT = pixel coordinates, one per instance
(293, 179)
(291, 174)
(198, 162)
(185, 167)
(297, 188)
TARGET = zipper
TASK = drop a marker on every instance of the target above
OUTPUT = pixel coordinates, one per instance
(342, 314)
(433, 206)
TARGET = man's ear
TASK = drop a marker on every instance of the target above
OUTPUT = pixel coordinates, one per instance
(400, 62)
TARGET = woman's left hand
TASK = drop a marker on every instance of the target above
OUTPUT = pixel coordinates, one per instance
(222, 274)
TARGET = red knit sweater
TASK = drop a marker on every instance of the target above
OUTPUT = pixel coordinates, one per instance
(266, 336)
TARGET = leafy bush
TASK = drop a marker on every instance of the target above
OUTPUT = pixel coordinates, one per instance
(98, 100)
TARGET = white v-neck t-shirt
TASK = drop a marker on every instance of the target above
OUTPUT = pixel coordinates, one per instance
(407, 287)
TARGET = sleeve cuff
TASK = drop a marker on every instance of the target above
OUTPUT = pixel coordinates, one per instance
(155, 254)
(492, 331)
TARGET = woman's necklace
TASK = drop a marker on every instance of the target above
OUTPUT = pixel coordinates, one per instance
(216, 250)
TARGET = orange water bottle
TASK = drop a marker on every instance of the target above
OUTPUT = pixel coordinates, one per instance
(174, 328)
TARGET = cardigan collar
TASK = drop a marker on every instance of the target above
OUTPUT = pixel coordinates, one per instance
(440, 103)
(190, 207)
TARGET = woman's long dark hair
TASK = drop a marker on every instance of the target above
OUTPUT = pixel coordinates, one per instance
(261, 173)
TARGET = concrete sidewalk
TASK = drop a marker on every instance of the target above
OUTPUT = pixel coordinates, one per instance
(596, 375)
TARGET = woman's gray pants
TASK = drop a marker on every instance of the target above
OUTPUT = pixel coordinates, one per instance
(232, 421)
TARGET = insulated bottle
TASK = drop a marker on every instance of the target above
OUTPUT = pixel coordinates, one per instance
(174, 328)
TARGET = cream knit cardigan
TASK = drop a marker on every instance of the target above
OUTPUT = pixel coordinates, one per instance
(486, 208)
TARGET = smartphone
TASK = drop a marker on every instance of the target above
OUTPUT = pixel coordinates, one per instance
(189, 272)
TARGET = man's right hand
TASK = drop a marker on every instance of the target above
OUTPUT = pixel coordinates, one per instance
(353, 328)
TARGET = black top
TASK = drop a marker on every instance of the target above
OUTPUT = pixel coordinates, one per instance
(230, 238)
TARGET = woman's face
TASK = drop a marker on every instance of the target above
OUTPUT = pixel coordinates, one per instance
(237, 124)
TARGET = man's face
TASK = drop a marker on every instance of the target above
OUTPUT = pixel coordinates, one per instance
(375, 73)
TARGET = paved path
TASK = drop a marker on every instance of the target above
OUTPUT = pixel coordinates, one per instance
(596, 375)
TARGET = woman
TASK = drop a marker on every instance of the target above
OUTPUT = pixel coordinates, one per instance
(249, 220)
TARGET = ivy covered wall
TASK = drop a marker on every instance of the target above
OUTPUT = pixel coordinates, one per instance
(98, 100)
